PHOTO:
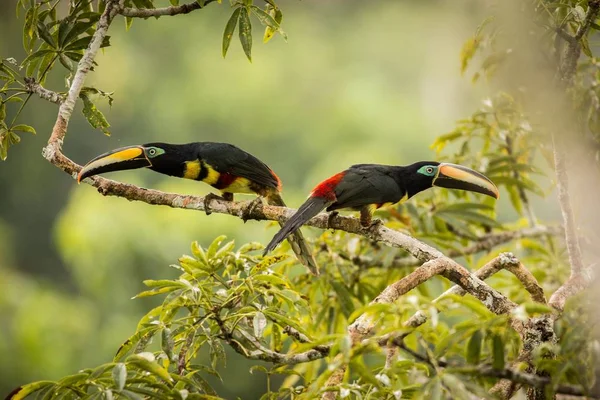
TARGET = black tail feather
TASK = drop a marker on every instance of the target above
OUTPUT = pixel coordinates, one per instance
(296, 239)
(309, 209)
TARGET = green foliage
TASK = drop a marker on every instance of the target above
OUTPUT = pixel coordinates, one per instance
(270, 17)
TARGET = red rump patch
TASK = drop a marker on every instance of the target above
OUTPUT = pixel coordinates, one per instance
(326, 188)
(225, 179)
(277, 179)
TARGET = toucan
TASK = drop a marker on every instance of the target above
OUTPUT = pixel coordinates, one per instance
(221, 165)
(367, 187)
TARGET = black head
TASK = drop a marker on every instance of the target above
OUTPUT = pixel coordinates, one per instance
(160, 157)
(426, 174)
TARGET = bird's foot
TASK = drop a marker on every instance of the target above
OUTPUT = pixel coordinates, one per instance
(250, 207)
(332, 215)
(376, 223)
(212, 196)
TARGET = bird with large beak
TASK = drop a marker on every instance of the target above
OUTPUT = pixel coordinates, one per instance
(221, 165)
(367, 187)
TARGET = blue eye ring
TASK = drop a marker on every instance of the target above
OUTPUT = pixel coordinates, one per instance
(429, 170)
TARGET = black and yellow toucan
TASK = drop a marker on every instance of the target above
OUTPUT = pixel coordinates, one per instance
(367, 187)
(221, 165)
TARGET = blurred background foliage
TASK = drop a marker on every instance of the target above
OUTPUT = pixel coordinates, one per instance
(355, 82)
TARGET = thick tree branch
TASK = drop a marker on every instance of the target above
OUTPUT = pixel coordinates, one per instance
(504, 261)
(158, 12)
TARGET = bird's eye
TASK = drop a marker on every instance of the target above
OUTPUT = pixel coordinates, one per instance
(429, 170)
(152, 152)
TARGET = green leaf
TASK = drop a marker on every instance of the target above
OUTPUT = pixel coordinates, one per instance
(29, 32)
(43, 33)
(272, 279)
(78, 29)
(174, 2)
(64, 28)
(216, 352)
(167, 342)
(284, 320)
(119, 375)
(229, 30)
(199, 253)
(94, 116)
(84, 42)
(497, 352)
(65, 61)
(214, 246)
(154, 292)
(128, 23)
(344, 297)
(25, 390)
(269, 21)
(149, 366)
(36, 55)
(245, 33)
(131, 395)
(276, 14)
(474, 347)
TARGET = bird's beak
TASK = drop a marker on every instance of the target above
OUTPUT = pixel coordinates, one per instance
(131, 157)
(454, 176)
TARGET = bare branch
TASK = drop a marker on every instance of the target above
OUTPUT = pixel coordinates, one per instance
(158, 12)
(575, 284)
(527, 279)
(489, 269)
(34, 87)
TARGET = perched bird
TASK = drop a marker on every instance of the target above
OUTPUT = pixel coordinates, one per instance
(367, 187)
(221, 165)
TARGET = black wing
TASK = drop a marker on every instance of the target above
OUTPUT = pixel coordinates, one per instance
(227, 158)
(366, 184)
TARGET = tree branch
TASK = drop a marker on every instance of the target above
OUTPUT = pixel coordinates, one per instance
(33, 87)
(364, 324)
(158, 12)
(581, 276)
(503, 261)
(84, 66)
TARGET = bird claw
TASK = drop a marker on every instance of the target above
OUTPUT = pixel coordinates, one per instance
(249, 209)
(332, 215)
(208, 198)
(375, 223)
